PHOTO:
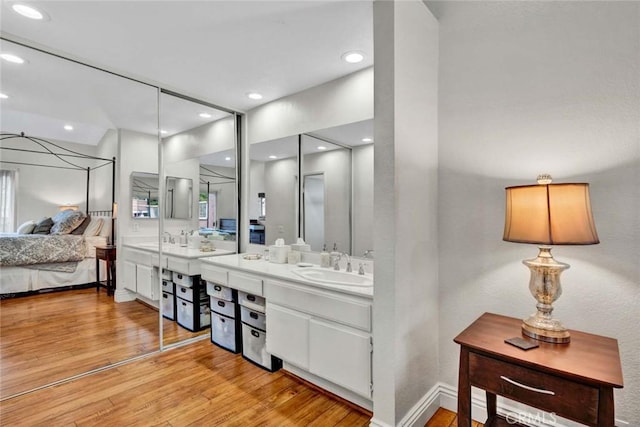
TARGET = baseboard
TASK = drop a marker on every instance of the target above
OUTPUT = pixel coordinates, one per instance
(123, 295)
(423, 410)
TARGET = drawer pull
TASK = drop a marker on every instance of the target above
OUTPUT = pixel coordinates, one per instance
(526, 387)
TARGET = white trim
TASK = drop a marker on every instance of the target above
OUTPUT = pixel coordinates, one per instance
(424, 409)
(123, 295)
(377, 423)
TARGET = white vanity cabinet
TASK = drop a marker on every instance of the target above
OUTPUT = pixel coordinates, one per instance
(323, 332)
(139, 272)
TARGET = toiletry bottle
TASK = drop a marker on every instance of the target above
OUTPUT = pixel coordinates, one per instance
(325, 258)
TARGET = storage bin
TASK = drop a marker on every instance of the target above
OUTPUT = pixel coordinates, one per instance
(169, 305)
(167, 274)
(188, 294)
(189, 319)
(251, 301)
(254, 349)
(253, 318)
(219, 291)
(168, 286)
(226, 332)
(220, 306)
(184, 280)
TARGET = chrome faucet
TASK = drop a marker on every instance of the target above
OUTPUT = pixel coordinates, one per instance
(361, 269)
(349, 269)
(166, 239)
(368, 253)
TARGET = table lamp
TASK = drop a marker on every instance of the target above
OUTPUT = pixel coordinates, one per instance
(548, 214)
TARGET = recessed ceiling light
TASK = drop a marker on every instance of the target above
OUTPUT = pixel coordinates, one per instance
(28, 11)
(228, 159)
(163, 132)
(68, 127)
(353, 57)
(254, 95)
(367, 139)
(205, 115)
(273, 157)
(12, 58)
(321, 147)
(3, 96)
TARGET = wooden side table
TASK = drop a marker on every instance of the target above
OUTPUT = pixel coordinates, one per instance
(107, 254)
(573, 381)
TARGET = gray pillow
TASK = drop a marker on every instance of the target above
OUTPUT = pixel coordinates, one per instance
(83, 226)
(43, 227)
(66, 221)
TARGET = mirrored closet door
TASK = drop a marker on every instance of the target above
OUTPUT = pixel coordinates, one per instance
(199, 205)
(67, 131)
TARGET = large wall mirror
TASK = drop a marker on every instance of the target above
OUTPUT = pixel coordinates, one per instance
(331, 204)
(54, 323)
(198, 170)
(144, 195)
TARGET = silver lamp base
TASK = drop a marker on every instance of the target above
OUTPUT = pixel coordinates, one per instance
(545, 288)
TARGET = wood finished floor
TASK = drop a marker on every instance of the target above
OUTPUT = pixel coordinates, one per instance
(45, 338)
(196, 385)
(445, 418)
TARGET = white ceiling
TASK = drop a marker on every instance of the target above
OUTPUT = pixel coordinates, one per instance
(216, 51)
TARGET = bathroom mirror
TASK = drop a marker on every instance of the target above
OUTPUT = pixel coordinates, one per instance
(336, 203)
(144, 195)
(49, 336)
(178, 198)
(199, 168)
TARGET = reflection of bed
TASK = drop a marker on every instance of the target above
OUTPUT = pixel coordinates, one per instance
(35, 263)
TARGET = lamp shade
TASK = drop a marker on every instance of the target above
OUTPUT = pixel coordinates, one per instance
(549, 214)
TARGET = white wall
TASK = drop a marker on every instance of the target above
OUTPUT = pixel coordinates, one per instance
(527, 88)
(363, 212)
(405, 310)
(42, 189)
(280, 187)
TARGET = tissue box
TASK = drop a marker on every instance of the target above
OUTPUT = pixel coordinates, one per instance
(278, 254)
(301, 247)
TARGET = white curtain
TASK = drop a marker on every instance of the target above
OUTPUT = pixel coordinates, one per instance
(7, 201)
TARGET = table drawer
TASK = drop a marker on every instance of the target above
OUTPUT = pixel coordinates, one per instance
(568, 399)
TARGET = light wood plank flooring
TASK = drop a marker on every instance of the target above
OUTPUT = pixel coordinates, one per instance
(196, 385)
(45, 338)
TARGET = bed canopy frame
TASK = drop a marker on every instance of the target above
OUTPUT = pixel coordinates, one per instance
(63, 156)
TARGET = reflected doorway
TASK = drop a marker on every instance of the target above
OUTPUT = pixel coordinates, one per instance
(313, 199)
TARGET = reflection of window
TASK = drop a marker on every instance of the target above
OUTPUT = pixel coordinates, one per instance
(7, 200)
(203, 209)
(263, 205)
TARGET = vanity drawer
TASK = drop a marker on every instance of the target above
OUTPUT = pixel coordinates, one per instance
(137, 257)
(253, 318)
(253, 302)
(184, 266)
(244, 282)
(573, 400)
(213, 274)
(318, 303)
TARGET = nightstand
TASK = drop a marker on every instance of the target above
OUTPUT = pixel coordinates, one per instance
(574, 380)
(107, 254)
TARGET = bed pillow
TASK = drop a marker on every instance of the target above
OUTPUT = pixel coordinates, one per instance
(66, 221)
(82, 227)
(43, 227)
(27, 227)
(106, 228)
(94, 227)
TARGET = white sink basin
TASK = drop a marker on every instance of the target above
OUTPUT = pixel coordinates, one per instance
(333, 277)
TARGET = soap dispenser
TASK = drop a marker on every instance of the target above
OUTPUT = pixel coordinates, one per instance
(325, 258)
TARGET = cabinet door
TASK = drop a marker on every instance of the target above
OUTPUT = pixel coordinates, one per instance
(341, 355)
(288, 335)
(145, 282)
(129, 275)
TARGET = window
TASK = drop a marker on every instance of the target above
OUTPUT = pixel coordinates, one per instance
(8, 200)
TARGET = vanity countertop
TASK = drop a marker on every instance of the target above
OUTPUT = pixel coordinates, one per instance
(281, 271)
(177, 250)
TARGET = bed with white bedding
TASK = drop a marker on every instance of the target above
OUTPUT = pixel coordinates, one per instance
(42, 262)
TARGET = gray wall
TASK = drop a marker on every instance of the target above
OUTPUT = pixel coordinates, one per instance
(529, 88)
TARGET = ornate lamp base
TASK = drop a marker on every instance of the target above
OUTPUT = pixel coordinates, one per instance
(545, 288)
